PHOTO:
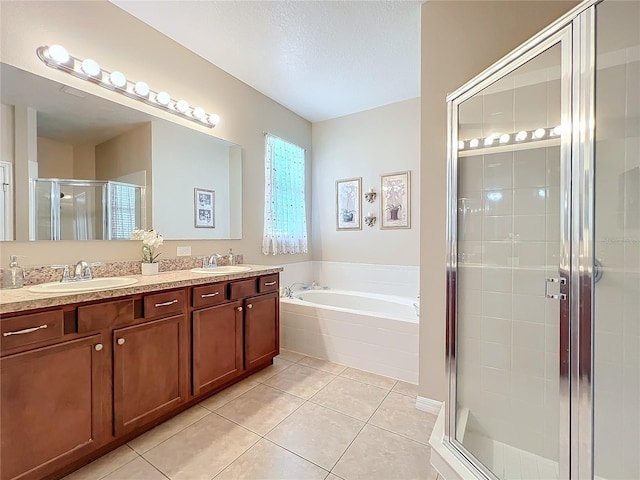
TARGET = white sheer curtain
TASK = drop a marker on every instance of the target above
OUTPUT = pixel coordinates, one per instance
(285, 214)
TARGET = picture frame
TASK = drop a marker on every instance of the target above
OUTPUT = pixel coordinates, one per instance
(395, 200)
(204, 202)
(349, 204)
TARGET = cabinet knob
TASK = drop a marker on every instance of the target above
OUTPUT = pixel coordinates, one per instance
(120, 341)
(239, 309)
(249, 305)
(98, 347)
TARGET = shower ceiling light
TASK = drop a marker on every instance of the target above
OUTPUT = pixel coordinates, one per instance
(505, 139)
(56, 56)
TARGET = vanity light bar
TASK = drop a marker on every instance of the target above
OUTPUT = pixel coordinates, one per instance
(523, 136)
(56, 56)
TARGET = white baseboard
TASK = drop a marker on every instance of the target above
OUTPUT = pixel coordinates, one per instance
(428, 405)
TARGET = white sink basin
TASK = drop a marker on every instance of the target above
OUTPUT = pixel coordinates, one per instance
(222, 270)
(83, 285)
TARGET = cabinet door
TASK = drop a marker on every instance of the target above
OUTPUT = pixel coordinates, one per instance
(217, 346)
(150, 371)
(51, 401)
(262, 333)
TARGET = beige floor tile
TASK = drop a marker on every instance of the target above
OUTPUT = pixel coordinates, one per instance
(370, 378)
(290, 355)
(104, 465)
(201, 450)
(333, 477)
(316, 433)
(398, 413)
(228, 394)
(350, 397)
(266, 461)
(405, 388)
(139, 469)
(323, 365)
(159, 434)
(300, 380)
(268, 372)
(261, 408)
(377, 454)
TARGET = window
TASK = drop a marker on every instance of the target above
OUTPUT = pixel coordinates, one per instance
(123, 210)
(285, 214)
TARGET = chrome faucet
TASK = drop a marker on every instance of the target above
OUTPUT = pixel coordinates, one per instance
(288, 291)
(82, 271)
(211, 261)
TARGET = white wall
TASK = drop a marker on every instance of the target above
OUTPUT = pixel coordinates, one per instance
(366, 144)
(142, 53)
(174, 181)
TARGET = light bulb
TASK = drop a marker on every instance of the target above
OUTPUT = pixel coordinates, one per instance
(163, 98)
(91, 67)
(142, 89)
(474, 143)
(505, 137)
(488, 141)
(182, 106)
(214, 119)
(539, 133)
(460, 145)
(199, 113)
(117, 79)
(59, 54)
(557, 130)
(522, 135)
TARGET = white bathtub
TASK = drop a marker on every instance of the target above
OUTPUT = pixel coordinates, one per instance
(373, 332)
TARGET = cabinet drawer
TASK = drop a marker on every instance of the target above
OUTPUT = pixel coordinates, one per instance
(243, 288)
(104, 315)
(209, 294)
(33, 328)
(165, 303)
(268, 283)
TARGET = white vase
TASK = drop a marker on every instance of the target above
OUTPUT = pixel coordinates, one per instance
(149, 268)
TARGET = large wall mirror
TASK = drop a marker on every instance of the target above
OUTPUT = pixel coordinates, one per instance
(95, 170)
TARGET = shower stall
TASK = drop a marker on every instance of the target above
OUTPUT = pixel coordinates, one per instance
(543, 274)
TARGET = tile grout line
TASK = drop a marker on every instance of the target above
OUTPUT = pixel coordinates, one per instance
(156, 468)
(358, 434)
(115, 469)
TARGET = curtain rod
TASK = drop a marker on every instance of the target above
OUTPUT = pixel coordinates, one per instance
(267, 133)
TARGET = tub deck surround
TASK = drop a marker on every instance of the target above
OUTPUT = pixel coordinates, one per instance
(383, 341)
(22, 299)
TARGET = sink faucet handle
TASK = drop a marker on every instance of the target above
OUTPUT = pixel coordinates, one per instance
(88, 274)
(65, 272)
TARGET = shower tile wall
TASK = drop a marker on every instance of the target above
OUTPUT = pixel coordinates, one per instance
(510, 334)
(508, 241)
(617, 294)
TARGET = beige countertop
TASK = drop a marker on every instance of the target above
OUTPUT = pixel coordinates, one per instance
(21, 299)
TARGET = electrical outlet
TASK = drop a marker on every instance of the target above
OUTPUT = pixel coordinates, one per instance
(183, 251)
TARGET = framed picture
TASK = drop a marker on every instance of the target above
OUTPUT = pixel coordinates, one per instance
(204, 208)
(348, 204)
(395, 200)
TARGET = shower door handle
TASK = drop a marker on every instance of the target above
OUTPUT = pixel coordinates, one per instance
(555, 296)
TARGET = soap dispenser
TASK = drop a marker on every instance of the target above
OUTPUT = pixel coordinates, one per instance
(231, 258)
(13, 277)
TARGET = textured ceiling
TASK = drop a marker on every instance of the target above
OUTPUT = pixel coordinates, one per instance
(320, 59)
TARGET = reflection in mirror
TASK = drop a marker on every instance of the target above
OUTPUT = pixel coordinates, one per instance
(81, 167)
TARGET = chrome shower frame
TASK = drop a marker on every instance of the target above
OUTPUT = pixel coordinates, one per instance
(575, 33)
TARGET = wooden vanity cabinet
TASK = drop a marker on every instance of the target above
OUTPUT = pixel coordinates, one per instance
(51, 402)
(101, 372)
(217, 346)
(261, 326)
(150, 364)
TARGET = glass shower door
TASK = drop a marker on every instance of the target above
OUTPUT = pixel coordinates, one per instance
(511, 229)
(616, 397)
